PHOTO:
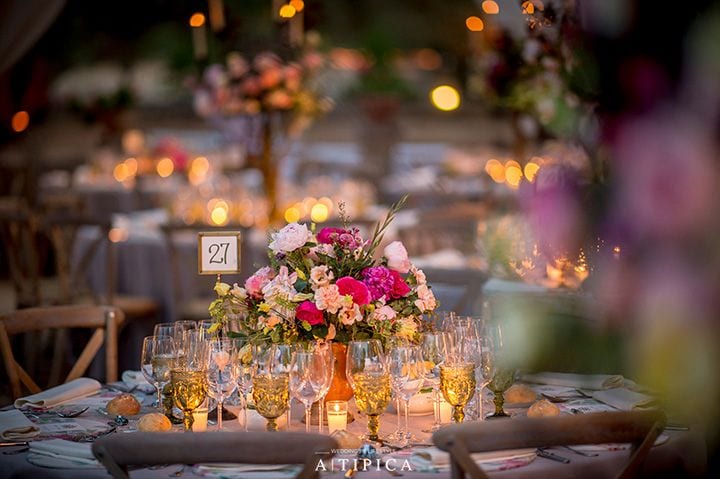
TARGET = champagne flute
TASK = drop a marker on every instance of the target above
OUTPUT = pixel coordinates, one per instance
(307, 373)
(432, 348)
(368, 374)
(271, 383)
(156, 360)
(222, 373)
(405, 364)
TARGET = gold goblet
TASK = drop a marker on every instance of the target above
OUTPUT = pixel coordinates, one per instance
(457, 383)
(189, 391)
(271, 394)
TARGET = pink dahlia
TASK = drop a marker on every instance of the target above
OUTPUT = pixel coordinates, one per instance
(307, 311)
(357, 289)
(382, 281)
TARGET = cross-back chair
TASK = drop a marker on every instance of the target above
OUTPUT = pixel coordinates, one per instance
(118, 451)
(640, 428)
(104, 320)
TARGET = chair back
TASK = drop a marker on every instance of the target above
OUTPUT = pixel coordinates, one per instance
(118, 451)
(104, 320)
(640, 428)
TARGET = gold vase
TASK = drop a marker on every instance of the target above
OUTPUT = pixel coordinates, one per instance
(340, 389)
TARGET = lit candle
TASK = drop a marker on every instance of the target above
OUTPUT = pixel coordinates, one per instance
(197, 23)
(446, 411)
(336, 415)
(200, 419)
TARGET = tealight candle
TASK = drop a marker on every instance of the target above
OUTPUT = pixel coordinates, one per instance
(337, 415)
(200, 419)
(446, 411)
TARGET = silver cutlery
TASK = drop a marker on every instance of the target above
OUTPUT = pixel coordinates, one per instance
(117, 420)
(581, 453)
(542, 452)
(69, 413)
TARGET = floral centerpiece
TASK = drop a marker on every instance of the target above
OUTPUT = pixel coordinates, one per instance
(329, 286)
(253, 101)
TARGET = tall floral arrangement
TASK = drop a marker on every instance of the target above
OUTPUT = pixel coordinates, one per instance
(328, 286)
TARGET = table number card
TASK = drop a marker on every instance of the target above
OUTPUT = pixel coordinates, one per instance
(219, 252)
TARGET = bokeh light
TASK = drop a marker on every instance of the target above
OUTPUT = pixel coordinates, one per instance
(219, 215)
(120, 172)
(292, 214)
(445, 98)
(490, 7)
(513, 175)
(496, 170)
(287, 11)
(197, 19)
(319, 213)
(474, 24)
(165, 167)
(531, 169)
(132, 166)
(20, 121)
(117, 235)
(298, 5)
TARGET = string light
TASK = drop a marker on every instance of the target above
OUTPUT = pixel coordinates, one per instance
(445, 98)
(197, 20)
(20, 121)
(474, 24)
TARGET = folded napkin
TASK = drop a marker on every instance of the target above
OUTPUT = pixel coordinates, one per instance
(14, 426)
(75, 389)
(661, 439)
(62, 454)
(247, 471)
(432, 459)
(137, 379)
(624, 399)
(581, 381)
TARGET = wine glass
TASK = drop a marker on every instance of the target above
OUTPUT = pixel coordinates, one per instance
(368, 374)
(189, 376)
(156, 361)
(164, 329)
(432, 348)
(271, 382)
(307, 376)
(406, 378)
(244, 364)
(206, 326)
(222, 373)
(497, 371)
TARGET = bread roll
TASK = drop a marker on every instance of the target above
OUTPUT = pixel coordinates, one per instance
(520, 394)
(154, 422)
(123, 405)
(543, 408)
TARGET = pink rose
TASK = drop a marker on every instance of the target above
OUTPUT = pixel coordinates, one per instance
(307, 311)
(397, 257)
(255, 283)
(400, 287)
(357, 289)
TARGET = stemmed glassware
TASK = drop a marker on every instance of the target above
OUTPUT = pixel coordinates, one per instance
(308, 371)
(245, 369)
(157, 356)
(221, 373)
(368, 374)
(432, 348)
(271, 378)
(189, 376)
(406, 377)
(496, 370)
(457, 375)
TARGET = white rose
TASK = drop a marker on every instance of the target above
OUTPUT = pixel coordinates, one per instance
(290, 238)
(397, 257)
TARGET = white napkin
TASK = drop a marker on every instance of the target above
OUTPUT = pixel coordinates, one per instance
(77, 388)
(581, 381)
(14, 426)
(247, 471)
(624, 399)
(136, 378)
(62, 454)
(433, 458)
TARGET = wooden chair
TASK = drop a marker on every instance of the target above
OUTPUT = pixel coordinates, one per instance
(118, 451)
(640, 428)
(105, 320)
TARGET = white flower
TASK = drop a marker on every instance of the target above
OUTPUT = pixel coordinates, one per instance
(238, 292)
(290, 238)
(426, 299)
(397, 257)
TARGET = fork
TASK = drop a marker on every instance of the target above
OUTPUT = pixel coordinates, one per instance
(71, 414)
